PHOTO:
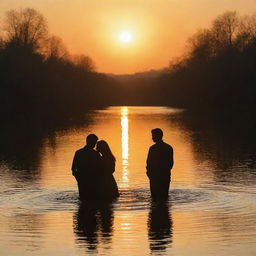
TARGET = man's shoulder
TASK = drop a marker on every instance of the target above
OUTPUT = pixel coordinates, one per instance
(85, 150)
(87, 153)
(163, 146)
(152, 147)
(80, 150)
(167, 145)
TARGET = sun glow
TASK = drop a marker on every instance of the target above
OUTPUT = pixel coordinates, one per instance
(126, 37)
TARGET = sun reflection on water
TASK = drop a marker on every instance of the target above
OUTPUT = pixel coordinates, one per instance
(125, 146)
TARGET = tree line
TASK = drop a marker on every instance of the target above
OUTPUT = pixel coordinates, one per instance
(218, 71)
(39, 78)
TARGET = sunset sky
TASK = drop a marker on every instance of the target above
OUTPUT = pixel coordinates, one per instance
(127, 36)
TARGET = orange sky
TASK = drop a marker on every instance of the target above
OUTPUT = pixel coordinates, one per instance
(160, 27)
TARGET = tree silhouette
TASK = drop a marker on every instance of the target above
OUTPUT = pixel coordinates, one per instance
(217, 72)
(83, 62)
(225, 29)
(40, 80)
(26, 27)
(55, 48)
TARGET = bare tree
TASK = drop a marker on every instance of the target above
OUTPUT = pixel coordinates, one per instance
(55, 48)
(83, 62)
(26, 27)
(247, 31)
(201, 44)
(248, 25)
(225, 29)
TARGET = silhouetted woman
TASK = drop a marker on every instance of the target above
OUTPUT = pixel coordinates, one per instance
(108, 161)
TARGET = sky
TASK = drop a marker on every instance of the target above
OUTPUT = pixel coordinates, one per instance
(128, 36)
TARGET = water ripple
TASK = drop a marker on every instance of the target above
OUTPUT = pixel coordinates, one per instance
(132, 200)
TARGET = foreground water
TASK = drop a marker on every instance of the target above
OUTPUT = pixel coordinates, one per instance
(211, 209)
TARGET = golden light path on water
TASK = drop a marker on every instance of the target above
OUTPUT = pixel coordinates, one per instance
(124, 220)
(125, 146)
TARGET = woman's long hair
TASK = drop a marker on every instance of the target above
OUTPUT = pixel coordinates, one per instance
(104, 149)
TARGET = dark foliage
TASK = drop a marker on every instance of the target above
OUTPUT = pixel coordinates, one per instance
(218, 72)
(39, 80)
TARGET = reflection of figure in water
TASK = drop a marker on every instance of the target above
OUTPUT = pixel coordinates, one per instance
(159, 165)
(92, 222)
(86, 169)
(159, 227)
(109, 186)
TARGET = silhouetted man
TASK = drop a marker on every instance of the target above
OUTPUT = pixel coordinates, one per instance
(86, 169)
(159, 165)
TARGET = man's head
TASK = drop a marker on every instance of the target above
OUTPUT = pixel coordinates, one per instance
(91, 140)
(157, 135)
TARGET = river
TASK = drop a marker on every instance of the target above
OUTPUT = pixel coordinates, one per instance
(211, 208)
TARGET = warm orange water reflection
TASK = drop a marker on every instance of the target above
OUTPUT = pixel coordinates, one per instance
(125, 146)
(127, 130)
(42, 216)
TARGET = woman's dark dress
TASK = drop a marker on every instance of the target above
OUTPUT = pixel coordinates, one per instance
(109, 186)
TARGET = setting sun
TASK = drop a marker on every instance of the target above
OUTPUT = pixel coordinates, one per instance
(125, 36)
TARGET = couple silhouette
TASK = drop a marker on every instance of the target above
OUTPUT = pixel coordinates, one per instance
(93, 169)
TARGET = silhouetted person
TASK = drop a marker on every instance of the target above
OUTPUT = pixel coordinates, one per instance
(109, 186)
(159, 165)
(92, 221)
(159, 226)
(86, 169)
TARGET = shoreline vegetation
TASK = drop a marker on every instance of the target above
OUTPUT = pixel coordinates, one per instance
(40, 79)
(42, 82)
(217, 73)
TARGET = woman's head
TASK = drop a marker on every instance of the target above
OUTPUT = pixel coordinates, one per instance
(103, 147)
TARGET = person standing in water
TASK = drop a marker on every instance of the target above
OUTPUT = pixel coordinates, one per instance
(109, 187)
(159, 165)
(86, 168)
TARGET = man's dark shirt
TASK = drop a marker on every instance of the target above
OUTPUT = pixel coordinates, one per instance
(86, 163)
(159, 160)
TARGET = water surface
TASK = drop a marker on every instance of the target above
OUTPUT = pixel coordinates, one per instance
(211, 209)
